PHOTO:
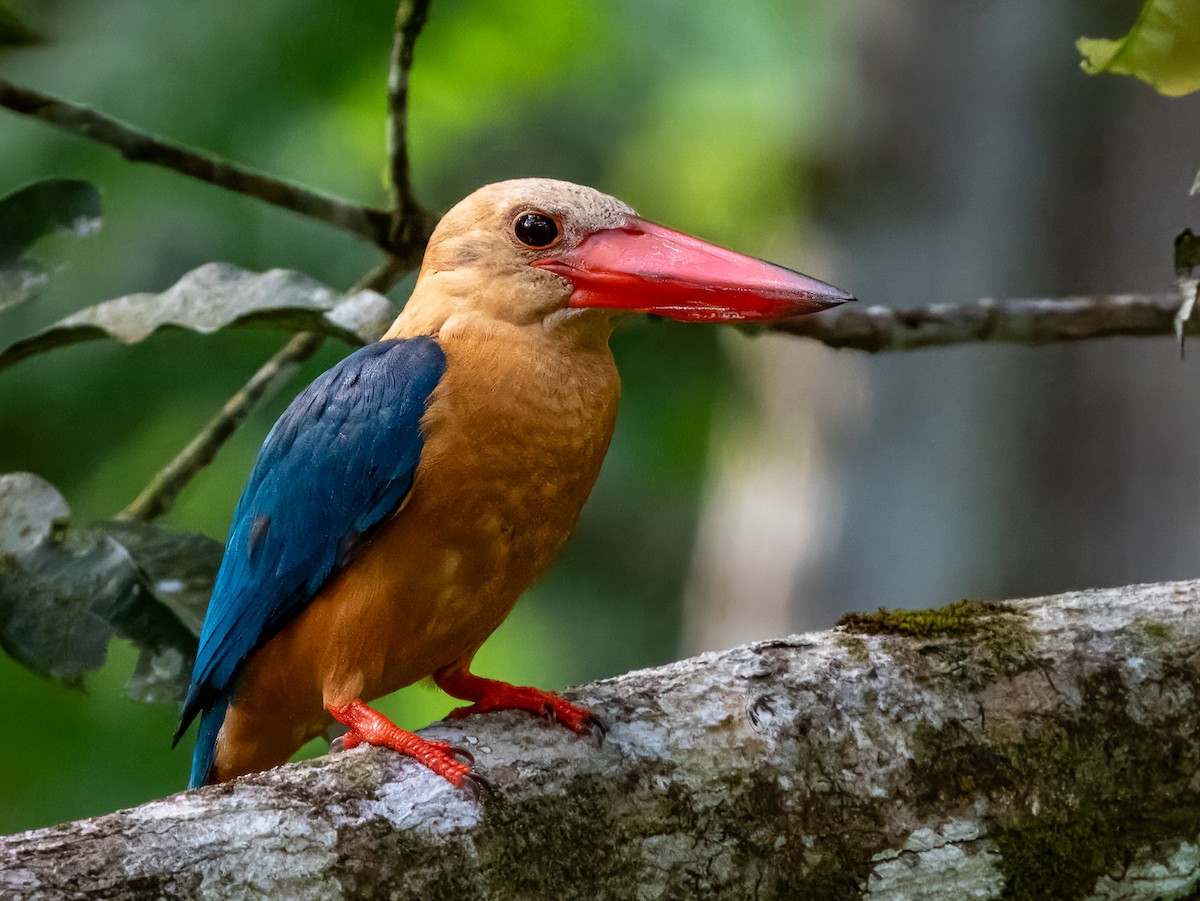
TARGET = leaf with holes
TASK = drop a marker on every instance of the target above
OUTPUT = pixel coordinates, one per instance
(66, 590)
(214, 297)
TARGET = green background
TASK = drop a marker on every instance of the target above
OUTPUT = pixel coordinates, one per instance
(911, 155)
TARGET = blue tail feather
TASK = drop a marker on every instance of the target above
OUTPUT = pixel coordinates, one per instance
(206, 742)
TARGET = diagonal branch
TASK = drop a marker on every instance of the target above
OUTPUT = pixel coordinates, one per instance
(374, 225)
(1030, 322)
(159, 496)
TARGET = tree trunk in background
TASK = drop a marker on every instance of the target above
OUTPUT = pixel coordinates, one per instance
(771, 518)
(971, 158)
(1041, 748)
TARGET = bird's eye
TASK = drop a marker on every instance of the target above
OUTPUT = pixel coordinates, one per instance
(535, 229)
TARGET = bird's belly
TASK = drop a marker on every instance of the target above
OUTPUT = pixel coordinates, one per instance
(430, 587)
(406, 609)
(438, 580)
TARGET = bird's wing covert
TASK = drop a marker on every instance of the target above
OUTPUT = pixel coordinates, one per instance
(341, 458)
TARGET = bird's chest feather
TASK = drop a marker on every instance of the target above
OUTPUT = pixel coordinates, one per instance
(515, 437)
(514, 440)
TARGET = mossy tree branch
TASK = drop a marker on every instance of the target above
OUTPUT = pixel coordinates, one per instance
(1040, 748)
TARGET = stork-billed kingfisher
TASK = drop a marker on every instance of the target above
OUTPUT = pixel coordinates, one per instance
(410, 494)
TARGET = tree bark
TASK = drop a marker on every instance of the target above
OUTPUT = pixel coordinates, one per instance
(1042, 748)
(1032, 321)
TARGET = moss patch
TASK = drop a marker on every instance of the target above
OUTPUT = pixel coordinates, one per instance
(1155, 632)
(960, 619)
(586, 844)
(1077, 795)
(981, 641)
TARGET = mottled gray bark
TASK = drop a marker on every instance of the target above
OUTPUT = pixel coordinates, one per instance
(1029, 321)
(1037, 748)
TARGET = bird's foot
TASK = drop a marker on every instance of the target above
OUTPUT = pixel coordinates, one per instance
(491, 694)
(370, 727)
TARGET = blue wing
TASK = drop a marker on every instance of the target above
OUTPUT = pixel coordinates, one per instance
(340, 459)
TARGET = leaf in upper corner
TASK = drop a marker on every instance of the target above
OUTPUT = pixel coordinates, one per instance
(14, 32)
(66, 590)
(1162, 48)
(32, 213)
(214, 297)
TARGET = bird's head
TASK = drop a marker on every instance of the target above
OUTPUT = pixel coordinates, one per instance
(535, 250)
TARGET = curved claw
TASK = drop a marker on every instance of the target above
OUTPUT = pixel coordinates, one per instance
(463, 753)
(593, 725)
(477, 786)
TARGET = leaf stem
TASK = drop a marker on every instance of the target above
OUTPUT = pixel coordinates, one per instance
(159, 496)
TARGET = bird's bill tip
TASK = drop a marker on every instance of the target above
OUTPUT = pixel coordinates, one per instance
(647, 268)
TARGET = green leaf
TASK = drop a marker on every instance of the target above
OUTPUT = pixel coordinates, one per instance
(180, 566)
(30, 214)
(66, 590)
(1162, 48)
(214, 297)
(13, 32)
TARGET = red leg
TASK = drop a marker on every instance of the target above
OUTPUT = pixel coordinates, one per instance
(370, 727)
(491, 694)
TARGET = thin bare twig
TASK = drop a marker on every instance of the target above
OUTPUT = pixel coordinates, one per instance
(876, 329)
(158, 497)
(1027, 321)
(372, 224)
(411, 223)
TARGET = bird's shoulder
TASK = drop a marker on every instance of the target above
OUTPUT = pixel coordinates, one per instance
(339, 460)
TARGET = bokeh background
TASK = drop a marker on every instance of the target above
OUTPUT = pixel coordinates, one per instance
(931, 151)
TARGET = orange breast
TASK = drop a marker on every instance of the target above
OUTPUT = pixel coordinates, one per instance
(515, 435)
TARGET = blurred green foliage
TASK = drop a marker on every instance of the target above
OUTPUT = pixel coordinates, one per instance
(701, 116)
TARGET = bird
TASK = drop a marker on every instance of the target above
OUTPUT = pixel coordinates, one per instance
(409, 495)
